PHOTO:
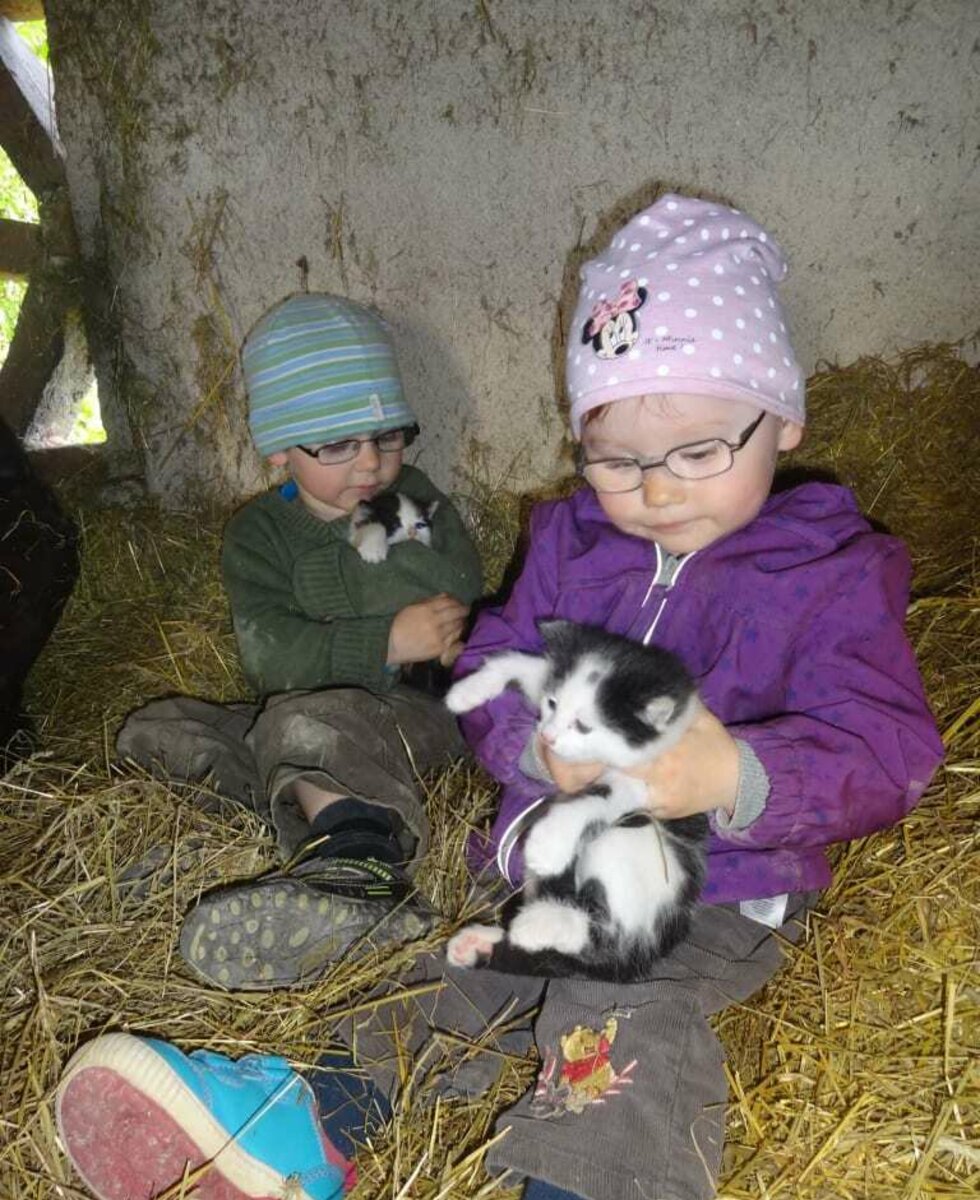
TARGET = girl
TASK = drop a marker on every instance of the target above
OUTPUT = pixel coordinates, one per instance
(788, 610)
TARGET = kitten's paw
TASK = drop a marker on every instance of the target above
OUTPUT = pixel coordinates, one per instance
(473, 944)
(467, 694)
(550, 925)
(371, 543)
(550, 846)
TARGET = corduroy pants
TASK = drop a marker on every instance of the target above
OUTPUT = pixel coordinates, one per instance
(630, 1099)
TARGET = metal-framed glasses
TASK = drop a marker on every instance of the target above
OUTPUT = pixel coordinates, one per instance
(694, 460)
(388, 442)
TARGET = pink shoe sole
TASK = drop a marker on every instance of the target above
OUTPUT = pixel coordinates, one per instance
(126, 1145)
(148, 1151)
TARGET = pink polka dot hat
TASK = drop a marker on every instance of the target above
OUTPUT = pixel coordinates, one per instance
(684, 301)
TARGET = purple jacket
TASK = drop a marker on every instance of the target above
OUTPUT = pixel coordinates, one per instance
(793, 628)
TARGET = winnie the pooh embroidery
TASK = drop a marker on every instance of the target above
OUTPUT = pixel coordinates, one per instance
(585, 1075)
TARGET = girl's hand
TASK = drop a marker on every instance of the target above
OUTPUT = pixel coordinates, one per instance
(571, 777)
(698, 775)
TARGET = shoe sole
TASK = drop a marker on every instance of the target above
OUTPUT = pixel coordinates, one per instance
(159, 1129)
(284, 932)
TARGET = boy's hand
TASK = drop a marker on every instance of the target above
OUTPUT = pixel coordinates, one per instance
(451, 653)
(570, 777)
(699, 774)
(430, 629)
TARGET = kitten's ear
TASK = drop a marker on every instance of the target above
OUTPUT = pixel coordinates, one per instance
(430, 508)
(659, 713)
(554, 632)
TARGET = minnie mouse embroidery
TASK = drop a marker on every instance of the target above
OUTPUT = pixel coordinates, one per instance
(611, 327)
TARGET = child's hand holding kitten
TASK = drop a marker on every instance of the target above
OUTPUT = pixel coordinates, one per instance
(570, 777)
(697, 775)
(430, 629)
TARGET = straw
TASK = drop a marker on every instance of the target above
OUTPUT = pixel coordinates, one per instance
(854, 1074)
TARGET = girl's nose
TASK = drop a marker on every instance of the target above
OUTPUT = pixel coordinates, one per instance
(660, 488)
(368, 457)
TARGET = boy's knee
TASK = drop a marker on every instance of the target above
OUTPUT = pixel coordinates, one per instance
(339, 708)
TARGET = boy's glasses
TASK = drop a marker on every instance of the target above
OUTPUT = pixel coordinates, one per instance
(388, 442)
(695, 460)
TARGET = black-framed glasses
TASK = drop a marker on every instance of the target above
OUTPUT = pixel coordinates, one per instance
(388, 442)
(694, 460)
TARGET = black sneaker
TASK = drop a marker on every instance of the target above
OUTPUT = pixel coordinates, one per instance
(288, 927)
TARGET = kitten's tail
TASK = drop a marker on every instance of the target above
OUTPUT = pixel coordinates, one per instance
(512, 669)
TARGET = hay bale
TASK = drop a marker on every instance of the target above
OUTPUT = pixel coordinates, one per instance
(853, 1075)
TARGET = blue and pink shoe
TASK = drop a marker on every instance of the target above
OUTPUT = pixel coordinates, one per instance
(137, 1116)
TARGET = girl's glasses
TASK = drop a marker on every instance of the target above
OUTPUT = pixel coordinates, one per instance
(388, 442)
(696, 460)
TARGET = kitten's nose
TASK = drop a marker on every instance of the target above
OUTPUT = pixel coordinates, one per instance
(412, 534)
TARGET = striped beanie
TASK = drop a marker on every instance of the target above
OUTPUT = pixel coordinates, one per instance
(684, 300)
(318, 369)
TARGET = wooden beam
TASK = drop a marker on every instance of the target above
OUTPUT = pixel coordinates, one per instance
(22, 10)
(35, 351)
(54, 464)
(20, 246)
(27, 125)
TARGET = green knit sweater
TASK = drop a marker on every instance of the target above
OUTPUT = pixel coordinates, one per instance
(309, 613)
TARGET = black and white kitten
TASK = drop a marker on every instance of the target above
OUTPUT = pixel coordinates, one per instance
(609, 888)
(387, 520)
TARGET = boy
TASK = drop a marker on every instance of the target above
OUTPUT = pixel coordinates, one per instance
(323, 637)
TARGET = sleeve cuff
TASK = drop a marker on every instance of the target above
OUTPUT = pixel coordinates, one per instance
(752, 793)
(532, 764)
(360, 651)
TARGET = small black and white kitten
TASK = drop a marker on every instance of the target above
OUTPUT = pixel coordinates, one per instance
(387, 520)
(609, 888)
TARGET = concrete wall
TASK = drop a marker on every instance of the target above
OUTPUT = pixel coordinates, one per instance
(450, 162)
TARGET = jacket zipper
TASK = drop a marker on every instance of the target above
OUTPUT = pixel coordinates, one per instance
(667, 588)
(510, 837)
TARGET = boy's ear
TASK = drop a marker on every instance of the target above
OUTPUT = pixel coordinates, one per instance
(790, 436)
(279, 459)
